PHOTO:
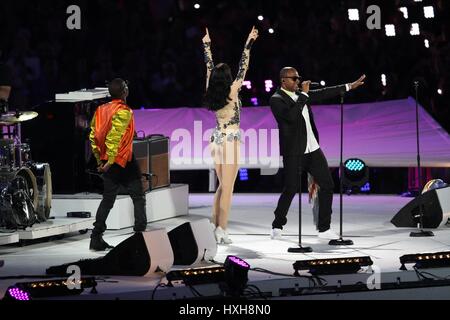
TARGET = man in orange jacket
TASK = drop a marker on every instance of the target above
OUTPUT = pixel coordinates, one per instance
(112, 133)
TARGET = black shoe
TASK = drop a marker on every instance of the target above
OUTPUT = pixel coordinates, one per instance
(98, 244)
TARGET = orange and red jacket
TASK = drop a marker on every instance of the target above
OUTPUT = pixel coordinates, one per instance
(112, 132)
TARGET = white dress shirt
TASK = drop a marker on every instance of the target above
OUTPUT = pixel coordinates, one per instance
(311, 141)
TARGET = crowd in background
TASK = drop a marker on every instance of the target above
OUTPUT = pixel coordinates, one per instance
(156, 45)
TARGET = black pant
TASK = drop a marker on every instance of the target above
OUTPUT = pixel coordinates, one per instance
(315, 164)
(130, 178)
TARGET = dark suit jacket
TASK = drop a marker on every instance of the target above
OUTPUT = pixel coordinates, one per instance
(291, 123)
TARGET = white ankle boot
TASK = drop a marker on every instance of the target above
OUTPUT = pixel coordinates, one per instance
(222, 236)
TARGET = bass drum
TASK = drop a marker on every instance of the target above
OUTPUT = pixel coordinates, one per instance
(31, 183)
(19, 195)
(44, 189)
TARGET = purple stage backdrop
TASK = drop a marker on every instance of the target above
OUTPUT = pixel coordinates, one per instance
(382, 134)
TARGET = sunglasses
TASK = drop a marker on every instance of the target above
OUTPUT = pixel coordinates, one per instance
(295, 78)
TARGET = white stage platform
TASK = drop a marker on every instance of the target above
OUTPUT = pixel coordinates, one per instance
(366, 222)
(50, 228)
(9, 237)
(56, 227)
(161, 204)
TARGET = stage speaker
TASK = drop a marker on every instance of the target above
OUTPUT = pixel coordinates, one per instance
(152, 154)
(159, 161)
(139, 255)
(193, 242)
(435, 207)
(140, 150)
(161, 254)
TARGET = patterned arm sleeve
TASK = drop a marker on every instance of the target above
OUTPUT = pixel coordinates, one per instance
(243, 66)
(208, 61)
(120, 123)
(95, 149)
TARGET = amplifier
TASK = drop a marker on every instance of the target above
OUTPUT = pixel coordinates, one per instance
(152, 154)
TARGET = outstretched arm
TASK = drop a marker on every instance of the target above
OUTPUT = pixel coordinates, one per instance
(208, 56)
(245, 59)
(330, 92)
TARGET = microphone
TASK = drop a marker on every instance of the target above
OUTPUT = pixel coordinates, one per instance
(312, 85)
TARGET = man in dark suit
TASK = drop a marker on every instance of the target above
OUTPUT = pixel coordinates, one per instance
(299, 146)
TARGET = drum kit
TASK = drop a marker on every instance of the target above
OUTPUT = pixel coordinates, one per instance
(25, 185)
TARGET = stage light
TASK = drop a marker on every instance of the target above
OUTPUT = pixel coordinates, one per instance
(353, 14)
(383, 80)
(236, 274)
(439, 91)
(434, 184)
(427, 43)
(48, 288)
(268, 85)
(247, 84)
(417, 0)
(254, 101)
(356, 173)
(271, 30)
(332, 266)
(260, 18)
(197, 275)
(390, 30)
(14, 293)
(366, 187)
(322, 83)
(196, 6)
(404, 10)
(243, 175)
(428, 12)
(415, 29)
(426, 260)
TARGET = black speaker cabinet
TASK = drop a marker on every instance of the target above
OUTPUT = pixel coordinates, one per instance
(435, 208)
(152, 154)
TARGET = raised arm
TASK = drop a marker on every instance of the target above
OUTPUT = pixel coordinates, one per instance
(318, 95)
(245, 59)
(208, 56)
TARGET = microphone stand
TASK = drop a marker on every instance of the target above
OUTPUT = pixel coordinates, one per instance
(421, 232)
(300, 248)
(341, 241)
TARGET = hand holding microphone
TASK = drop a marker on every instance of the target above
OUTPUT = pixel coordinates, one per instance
(305, 86)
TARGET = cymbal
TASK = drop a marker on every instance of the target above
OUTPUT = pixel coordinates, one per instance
(16, 117)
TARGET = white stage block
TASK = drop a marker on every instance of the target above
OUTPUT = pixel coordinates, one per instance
(161, 204)
(8, 238)
(55, 227)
